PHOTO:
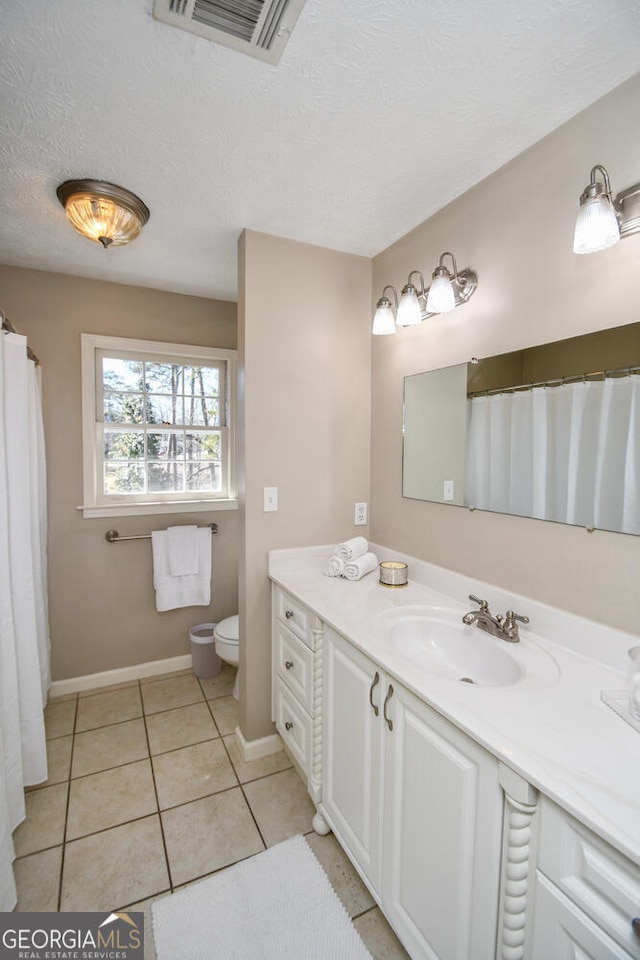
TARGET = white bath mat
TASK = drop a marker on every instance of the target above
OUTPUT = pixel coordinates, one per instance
(278, 905)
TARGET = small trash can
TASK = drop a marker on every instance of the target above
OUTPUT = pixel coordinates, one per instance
(205, 660)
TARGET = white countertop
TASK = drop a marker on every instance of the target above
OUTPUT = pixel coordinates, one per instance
(558, 735)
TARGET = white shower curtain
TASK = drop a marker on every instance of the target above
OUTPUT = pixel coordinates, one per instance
(24, 631)
(569, 453)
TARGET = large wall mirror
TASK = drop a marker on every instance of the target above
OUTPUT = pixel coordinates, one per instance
(551, 432)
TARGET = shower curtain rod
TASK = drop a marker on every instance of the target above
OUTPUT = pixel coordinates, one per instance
(8, 327)
(557, 382)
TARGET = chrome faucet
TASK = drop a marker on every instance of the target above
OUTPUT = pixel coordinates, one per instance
(506, 628)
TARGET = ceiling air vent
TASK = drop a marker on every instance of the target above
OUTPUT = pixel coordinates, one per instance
(260, 28)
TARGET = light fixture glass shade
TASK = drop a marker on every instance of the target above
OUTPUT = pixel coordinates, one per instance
(441, 297)
(596, 225)
(103, 212)
(409, 307)
(383, 321)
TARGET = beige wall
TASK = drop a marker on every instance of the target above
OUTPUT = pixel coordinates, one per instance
(516, 230)
(304, 348)
(102, 607)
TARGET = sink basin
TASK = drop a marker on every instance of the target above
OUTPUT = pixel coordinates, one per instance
(439, 642)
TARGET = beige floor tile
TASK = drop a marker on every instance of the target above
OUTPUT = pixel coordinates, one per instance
(208, 834)
(378, 937)
(106, 747)
(180, 728)
(59, 717)
(58, 762)
(342, 874)
(220, 686)
(114, 706)
(170, 693)
(106, 799)
(281, 805)
(44, 824)
(118, 866)
(192, 772)
(247, 770)
(226, 713)
(110, 688)
(38, 880)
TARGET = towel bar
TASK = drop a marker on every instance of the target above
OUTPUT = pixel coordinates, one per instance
(112, 536)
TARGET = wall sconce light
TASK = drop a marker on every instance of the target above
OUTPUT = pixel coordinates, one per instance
(103, 212)
(602, 220)
(447, 291)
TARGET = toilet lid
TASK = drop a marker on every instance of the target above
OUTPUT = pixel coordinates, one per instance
(229, 629)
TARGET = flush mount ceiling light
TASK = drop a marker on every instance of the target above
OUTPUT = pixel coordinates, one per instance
(447, 291)
(103, 212)
(602, 219)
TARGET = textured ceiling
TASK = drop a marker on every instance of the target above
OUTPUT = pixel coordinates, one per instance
(377, 115)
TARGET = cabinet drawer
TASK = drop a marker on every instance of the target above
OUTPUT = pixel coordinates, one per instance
(294, 726)
(294, 665)
(296, 616)
(563, 932)
(601, 881)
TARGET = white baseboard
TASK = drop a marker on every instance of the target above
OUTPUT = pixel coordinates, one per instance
(256, 749)
(92, 680)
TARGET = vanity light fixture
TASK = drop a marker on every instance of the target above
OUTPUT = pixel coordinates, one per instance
(447, 291)
(103, 212)
(602, 219)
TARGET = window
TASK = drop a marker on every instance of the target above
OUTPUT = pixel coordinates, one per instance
(158, 428)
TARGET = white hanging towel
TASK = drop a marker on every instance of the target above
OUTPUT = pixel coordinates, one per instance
(183, 551)
(188, 590)
(352, 549)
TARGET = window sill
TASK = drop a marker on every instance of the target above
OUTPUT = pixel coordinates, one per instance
(146, 509)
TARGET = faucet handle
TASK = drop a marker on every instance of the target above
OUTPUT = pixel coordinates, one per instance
(484, 605)
(510, 626)
(510, 616)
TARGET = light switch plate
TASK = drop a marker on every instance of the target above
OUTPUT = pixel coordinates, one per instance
(269, 499)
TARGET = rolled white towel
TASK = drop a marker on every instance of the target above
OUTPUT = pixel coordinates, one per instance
(352, 549)
(334, 567)
(355, 569)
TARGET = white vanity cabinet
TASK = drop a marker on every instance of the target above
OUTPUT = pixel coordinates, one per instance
(416, 804)
(296, 666)
(586, 893)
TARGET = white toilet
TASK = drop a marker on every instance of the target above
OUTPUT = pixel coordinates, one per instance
(227, 638)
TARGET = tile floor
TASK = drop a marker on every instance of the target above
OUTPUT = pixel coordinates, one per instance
(147, 792)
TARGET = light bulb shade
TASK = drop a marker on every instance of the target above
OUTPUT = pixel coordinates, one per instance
(441, 297)
(409, 307)
(383, 321)
(596, 225)
(103, 212)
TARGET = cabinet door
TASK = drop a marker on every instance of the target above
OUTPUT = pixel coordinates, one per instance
(442, 835)
(351, 783)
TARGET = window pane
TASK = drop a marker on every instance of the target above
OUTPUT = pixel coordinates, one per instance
(202, 381)
(202, 446)
(162, 409)
(165, 477)
(121, 374)
(163, 377)
(204, 477)
(124, 445)
(203, 411)
(165, 445)
(123, 478)
(123, 408)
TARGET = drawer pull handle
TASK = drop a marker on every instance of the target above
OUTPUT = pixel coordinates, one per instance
(288, 614)
(388, 719)
(288, 725)
(289, 664)
(635, 926)
(376, 681)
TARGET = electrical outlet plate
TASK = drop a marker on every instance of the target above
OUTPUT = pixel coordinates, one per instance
(360, 518)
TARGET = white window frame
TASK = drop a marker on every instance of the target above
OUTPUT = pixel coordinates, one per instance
(98, 504)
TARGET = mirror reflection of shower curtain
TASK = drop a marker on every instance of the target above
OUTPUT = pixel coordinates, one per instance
(24, 630)
(569, 453)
